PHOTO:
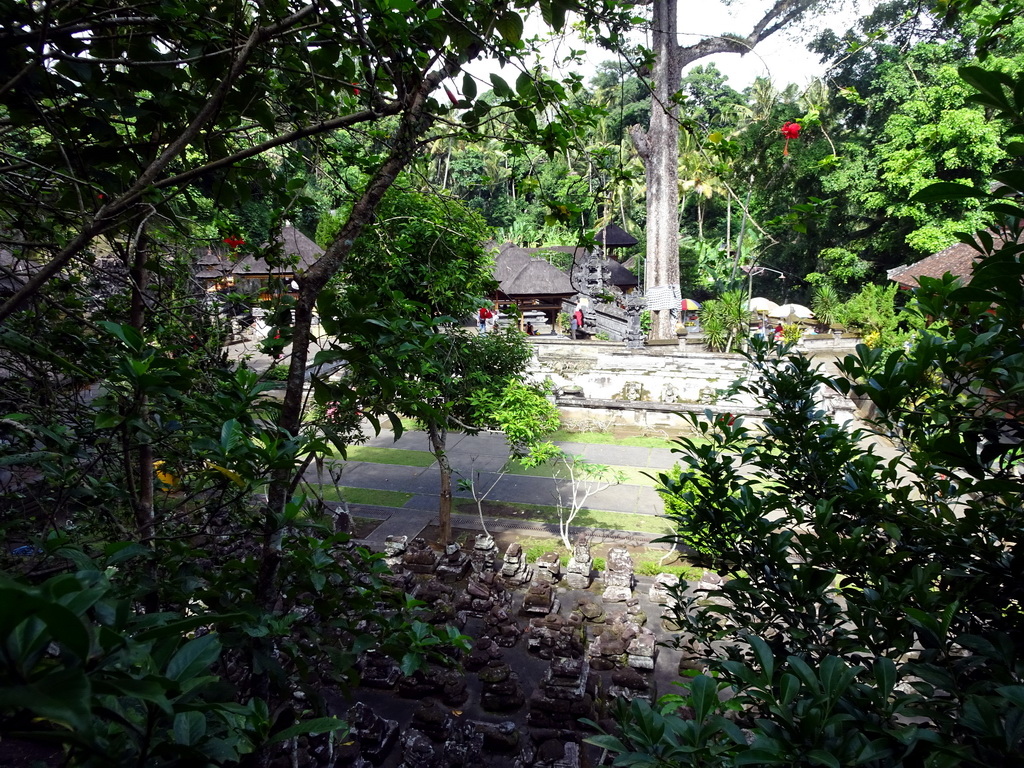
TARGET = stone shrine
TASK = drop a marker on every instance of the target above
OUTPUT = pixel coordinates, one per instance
(581, 563)
(502, 691)
(618, 576)
(547, 569)
(454, 564)
(419, 557)
(484, 590)
(515, 571)
(376, 736)
(484, 553)
(553, 636)
(564, 695)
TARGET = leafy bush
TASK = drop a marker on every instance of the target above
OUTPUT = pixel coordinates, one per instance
(278, 372)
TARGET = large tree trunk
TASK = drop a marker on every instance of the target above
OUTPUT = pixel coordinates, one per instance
(659, 149)
(438, 440)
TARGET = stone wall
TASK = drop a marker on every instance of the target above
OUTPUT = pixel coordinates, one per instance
(605, 382)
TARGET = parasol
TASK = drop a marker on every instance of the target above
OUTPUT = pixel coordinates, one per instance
(788, 310)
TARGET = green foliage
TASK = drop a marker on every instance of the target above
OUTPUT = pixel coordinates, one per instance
(278, 372)
(866, 593)
(725, 320)
(792, 333)
(825, 304)
(873, 311)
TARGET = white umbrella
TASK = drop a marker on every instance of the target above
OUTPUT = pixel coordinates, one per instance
(788, 310)
(762, 305)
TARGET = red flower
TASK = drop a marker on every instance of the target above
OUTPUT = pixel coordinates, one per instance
(451, 96)
(233, 242)
(790, 131)
(355, 88)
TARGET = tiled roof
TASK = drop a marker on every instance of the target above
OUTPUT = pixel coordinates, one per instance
(958, 260)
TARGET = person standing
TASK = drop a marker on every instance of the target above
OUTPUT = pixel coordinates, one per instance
(576, 324)
(482, 320)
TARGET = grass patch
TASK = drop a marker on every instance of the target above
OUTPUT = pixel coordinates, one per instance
(608, 438)
(630, 475)
(369, 496)
(398, 456)
(587, 518)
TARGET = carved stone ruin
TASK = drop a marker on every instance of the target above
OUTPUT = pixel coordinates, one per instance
(484, 554)
(376, 736)
(634, 612)
(540, 600)
(454, 563)
(642, 650)
(394, 548)
(629, 684)
(448, 685)
(419, 557)
(634, 305)
(485, 650)
(554, 636)
(661, 587)
(501, 626)
(501, 691)
(591, 608)
(378, 671)
(564, 695)
(484, 591)
(547, 569)
(418, 751)
(515, 571)
(618, 576)
(577, 574)
(440, 603)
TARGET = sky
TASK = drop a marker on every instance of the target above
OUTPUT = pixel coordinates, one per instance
(783, 57)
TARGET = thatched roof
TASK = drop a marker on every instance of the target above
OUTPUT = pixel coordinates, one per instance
(620, 276)
(293, 244)
(520, 274)
(614, 236)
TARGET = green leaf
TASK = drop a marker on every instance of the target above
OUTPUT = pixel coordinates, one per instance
(468, 87)
(319, 725)
(62, 697)
(501, 88)
(189, 728)
(764, 656)
(194, 657)
(703, 696)
(947, 190)
(510, 27)
(126, 333)
(821, 757)
(107, 419)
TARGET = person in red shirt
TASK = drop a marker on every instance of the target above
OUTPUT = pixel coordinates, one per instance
(484, 315)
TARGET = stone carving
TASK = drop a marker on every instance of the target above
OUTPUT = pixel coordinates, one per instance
(378, 671)
(394, 548)
(419, 557)
(485, 650)
(483, 591)
(634, 304)
(642, 650)
(440, 600)
(454, 564)
(502, 691)
(591, 608)
(577, 574)
(376, 736)
(670, 394)
(419, 752)
(540, 599)
(499, 625)
(634, 612)
(618, 576)
(618, 645)
(445, 684)
(515, 570)
(563, 695)
(629, 684)
(548, 568)
(484, 554)
(553, 636)
(660, 591)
